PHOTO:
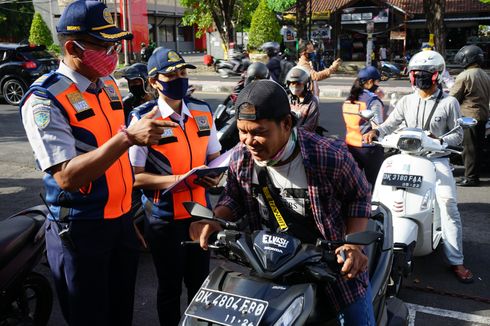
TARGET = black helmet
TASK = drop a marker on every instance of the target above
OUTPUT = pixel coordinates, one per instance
(271, 48)
(256, 70)
(468, 55)
(137, 70)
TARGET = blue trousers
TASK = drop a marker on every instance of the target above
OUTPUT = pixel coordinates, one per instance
(359, 313)
(95, 280)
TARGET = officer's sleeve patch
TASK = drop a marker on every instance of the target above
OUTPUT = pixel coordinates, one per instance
(42, 116)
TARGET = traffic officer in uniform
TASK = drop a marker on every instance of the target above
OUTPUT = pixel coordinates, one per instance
(192, 144)
(74, 121)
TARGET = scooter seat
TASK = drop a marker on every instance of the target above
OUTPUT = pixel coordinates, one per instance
(14, 234)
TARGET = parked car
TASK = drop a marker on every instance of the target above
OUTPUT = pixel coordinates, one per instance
(20, 66)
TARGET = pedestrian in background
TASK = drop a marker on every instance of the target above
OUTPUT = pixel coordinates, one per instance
(305, 60)
(74, 121)
(472, 90)
(362, 97)
(156, 167)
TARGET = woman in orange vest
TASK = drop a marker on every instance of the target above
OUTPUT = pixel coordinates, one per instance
(192, 144)
(363, 96)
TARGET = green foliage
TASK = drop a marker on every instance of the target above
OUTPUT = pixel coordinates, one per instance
(282, 5)
(199, 13)
(485, 1)
(40, 33)
(265, 26)
(55, 50)
(15, 20)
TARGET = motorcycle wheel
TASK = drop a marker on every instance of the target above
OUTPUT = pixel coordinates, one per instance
(38, 297)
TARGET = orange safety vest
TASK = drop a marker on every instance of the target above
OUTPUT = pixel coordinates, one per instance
(354, 124)
(94, 119)
(179, 151)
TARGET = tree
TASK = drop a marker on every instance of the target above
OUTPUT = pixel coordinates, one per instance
(434, 13)
(301, 13)
(264, 27)
(225, 14)
(15, 20)
(40, 33)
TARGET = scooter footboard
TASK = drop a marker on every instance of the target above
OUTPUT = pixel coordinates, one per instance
(234, 296)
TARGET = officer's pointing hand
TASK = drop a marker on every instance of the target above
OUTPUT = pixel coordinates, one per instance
(148, 130)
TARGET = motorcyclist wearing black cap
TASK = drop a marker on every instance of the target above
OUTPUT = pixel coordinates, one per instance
(311, 182)
(74, 121)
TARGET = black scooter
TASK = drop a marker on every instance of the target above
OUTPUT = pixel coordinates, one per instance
(26, 297)
(281, 287)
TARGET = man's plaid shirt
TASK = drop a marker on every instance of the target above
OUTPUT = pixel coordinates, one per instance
(337, 189)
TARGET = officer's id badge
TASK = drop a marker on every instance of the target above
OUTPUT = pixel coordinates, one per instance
(167, 132)
(76, 99)
(42, 116)
(111, 93)
(202, 123)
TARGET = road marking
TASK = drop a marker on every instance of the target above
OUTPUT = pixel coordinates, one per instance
(414, 308)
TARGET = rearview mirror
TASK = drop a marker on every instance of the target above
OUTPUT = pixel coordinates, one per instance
(467, 122)
(367, 114)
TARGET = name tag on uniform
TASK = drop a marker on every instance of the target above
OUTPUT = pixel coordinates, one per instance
(168, 136)
(202, 126)
(81, 106)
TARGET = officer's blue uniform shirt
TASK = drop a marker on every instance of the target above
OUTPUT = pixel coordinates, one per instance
(47, 128)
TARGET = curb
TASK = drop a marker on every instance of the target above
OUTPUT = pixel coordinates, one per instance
(325, 90)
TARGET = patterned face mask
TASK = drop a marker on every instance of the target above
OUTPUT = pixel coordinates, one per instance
(103, 62)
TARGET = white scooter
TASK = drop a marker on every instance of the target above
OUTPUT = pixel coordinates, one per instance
(406, 186)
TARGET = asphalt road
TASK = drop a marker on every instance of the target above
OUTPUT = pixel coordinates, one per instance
(434, 295)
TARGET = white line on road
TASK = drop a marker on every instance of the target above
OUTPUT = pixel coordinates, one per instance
(413, 308)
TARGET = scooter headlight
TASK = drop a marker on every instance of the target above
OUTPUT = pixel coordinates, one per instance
(409, 144)
(292, 312)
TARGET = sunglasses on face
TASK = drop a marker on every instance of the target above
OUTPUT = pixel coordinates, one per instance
(114, 48)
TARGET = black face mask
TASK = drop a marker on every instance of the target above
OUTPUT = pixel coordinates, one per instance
(175, 89)
(137, 90)
(373, 88)
(423, 80)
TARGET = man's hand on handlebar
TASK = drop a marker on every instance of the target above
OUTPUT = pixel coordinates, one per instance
(370, 136)
(201, 230)
(353, 259)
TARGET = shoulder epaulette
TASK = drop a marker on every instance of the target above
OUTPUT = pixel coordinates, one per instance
(192, 100)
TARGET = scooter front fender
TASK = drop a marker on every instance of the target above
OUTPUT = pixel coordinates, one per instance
(405, 231)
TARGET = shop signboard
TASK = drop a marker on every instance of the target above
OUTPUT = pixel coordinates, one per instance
(361, 15)
(397, 35)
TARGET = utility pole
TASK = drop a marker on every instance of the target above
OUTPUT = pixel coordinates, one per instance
(369, 44)
(125, 42)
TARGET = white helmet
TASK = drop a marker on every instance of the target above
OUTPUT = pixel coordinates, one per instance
(430, 61)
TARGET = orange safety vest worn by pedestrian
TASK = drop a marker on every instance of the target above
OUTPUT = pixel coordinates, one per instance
(94, 119)
(355, 125)
(179, 151)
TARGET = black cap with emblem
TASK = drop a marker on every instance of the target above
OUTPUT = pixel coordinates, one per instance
(262, 99)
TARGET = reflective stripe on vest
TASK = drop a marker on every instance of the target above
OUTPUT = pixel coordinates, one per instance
(179, 151)
(94, 120)
(354, 124)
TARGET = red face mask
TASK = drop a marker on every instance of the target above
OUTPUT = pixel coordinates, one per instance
(99, 61)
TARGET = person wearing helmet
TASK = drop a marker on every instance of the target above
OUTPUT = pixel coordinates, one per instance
(472, 90)
(274, 63)
(448, 80)
(305, 60)
(139, 92)
(363, 96)
(303, 104)
(436, 112)
(255, 71)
